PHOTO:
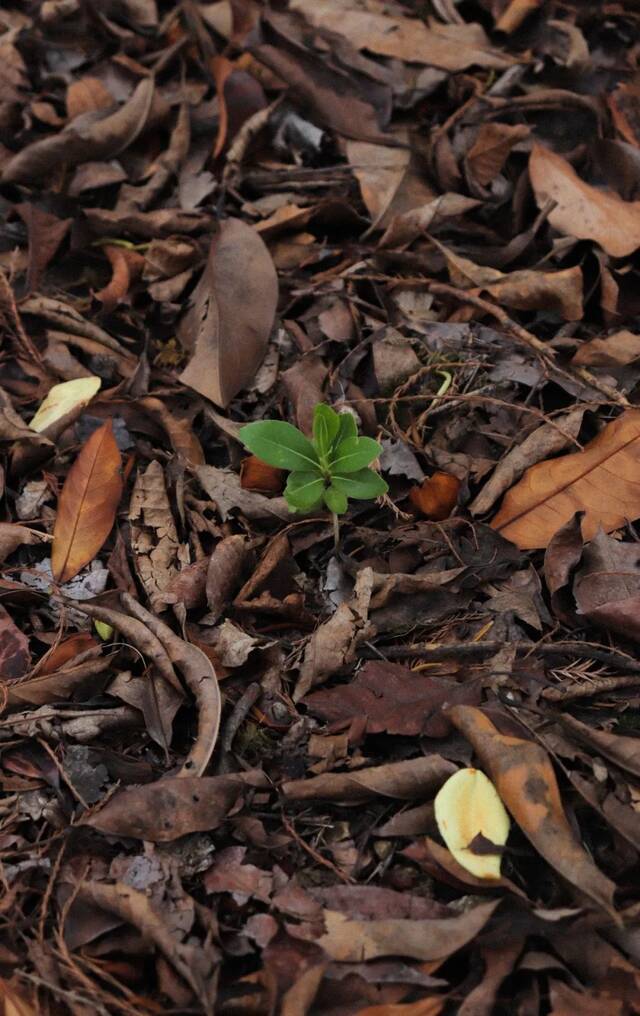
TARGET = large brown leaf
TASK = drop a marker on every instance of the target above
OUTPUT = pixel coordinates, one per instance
(525, 780)
(603, 481)
(232, 312)
(87, 505)
(581, 210)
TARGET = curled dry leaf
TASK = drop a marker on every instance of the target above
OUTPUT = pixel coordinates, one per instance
(87, 505)
(607, 585)
(224, 574)
(525, 780)
(414, 778)
(232, 312)
(603, 481)
(581, 210)
(437, 496)
(63, 402)
(126, 266)
(468, 806)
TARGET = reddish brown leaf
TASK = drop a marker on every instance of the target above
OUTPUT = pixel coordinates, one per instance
(257, 475)
(86, 95)
(126, 266)
(87, 504)
(66, 650)
(14, 649)
(233, 307)
(437, 496)
(491, 149)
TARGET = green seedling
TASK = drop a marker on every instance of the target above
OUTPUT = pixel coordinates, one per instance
(327, 470)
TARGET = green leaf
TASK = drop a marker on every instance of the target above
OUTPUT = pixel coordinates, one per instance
(279, 444)
(304, 489)
(335, 500)
(348, 427)
(353, 454)
(326, 425)
(364, 484)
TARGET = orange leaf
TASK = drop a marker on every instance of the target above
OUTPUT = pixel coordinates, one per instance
(87, 504)
(437, 496)
(67, 650)
(221, 68)
(257, 475)
(526, 782)
(603, 481)
(86, 96)
(126, 265)
(425, 1007)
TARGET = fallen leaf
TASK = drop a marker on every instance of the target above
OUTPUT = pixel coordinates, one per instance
(86, 95)
(601, 481)
(405, 227)
(87, 505)
(425, 1007)
(450, 47)
(527, 785)
(607, 585)
(225, 573)
(491, 149)
(46, 233)
(171, 808)
(615, 350)
(437, 496)
(352, 941)
(561, 559)
(623, 751)
(257, 475)
(224, 487)
(154, 539)
(393, 699)
(390, 180)
(414, 778)
(581, 210)
(15, 658)
(13, 536)
(126, 266)
(63, 403)
(91, 136)
(468, 806)
(546, 440)
(232, 312)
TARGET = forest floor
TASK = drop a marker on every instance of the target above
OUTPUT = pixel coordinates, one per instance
(223, 732)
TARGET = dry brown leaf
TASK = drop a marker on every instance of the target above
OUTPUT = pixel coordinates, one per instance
(347, 940)
(491, 149)
(154, 539)
(415, 778)
(87, 505)
(85, 95)
(173, 807)
(257, 475)
(607, 585)
(603, 481)
(581, 210)
(232, 312)
(425, 1007)
(615, 350)
(15, 658)
(126, 266)
(526, 782)
(449, 47)
(13, 536)
(225, 572)
(391, 182)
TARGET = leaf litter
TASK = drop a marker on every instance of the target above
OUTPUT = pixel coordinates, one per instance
(246, 769)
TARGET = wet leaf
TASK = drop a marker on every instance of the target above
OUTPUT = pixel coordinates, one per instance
(231, 315)
(602, 481)
(87, 505)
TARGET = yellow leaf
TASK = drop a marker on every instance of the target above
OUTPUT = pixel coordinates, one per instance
(63, 399)
(468, 806)
(104, 630)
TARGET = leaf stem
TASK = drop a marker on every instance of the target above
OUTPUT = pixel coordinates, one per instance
(336, 530)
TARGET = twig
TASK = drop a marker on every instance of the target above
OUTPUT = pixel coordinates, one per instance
(528, 339)
(481, 650)
(314, 853)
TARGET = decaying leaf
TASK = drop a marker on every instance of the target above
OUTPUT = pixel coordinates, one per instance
(87, 505)
(602, 481)
(581, 210)
(154, 539)
(63, 403)
(407, 781)
(527, 785)
(467, 807)
(232, 312)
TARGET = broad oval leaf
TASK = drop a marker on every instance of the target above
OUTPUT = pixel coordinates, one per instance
(354, 454)
(279, 444)
(63, 400)
(603, 481)
(231, 315)
(468, 806)
(87, 505)
(304, 490)
(335, 500)
(362, 485)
